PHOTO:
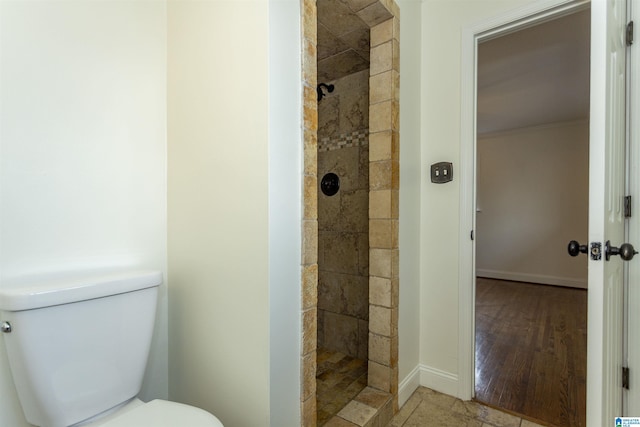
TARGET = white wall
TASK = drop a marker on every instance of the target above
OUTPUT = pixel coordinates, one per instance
(285, 199)
(409, 311)
(218, 209)
(82, 149)
(532, 198)
(442, 25)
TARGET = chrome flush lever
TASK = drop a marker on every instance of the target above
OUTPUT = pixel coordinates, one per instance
(5, 327)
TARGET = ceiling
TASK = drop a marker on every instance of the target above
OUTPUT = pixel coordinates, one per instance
(535, 76)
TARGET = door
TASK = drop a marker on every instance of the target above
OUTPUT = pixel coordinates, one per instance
(606, 213)
(632, 395)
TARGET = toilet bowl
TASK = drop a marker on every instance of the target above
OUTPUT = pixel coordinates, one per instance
(157, 413)
(78, 348)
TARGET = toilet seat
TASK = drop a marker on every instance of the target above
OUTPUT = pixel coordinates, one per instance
(162, 413)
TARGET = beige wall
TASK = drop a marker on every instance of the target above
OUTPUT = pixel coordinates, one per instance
(218, 208)
(532, 199)
(83, 143)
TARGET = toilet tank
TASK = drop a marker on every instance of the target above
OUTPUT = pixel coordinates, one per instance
(78, 346)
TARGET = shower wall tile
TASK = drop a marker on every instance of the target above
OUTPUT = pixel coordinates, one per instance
(380, 146)
(341, 333)
(374, 14)
(344, 294)
(343, 220)
(380, 204)
(363, 341)
(357, 5)
(380, 349)
(310, 200)
(380, 292)
(382, 32)
(340, 252)
(328, 43)
(309, 286)
(342, 64)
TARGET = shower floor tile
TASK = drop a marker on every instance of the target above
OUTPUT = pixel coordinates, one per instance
(339, 378)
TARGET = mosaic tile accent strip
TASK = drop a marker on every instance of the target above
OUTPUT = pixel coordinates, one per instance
(353, 139)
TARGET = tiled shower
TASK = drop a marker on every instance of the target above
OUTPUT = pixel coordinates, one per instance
(343, 220)
(350, 252)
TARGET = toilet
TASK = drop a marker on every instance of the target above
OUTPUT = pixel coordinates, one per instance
(78, 349)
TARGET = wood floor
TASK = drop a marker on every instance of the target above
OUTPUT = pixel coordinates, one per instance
(531, 350)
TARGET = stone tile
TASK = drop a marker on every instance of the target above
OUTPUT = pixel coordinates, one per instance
(380, 349)
(310, 108)
(356, 5)
(380, 291)
(374, 14)
(310, 152)
(380, 117)
(382, 32)
(372, 397)
(380, 233)
(341, 333)
(309, 375)
(486, 414)
(309, 19)
(380, 262)
(309, 412)
(309, 242)
(339, 422)
(310, 199)
(380, 146)
(340, 65)
(337, 16)
(380, 204)
(382, 87)
(309, 62)
(309, 286)
(358, 413)
(381, 58)
(380, 320)
(379, 376)
(328, 43)
(358, 40)
(428, 414)
(309, 330)
(527, 423)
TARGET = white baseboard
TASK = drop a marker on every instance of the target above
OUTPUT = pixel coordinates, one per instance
(435, 379)
(426, 376)
(408, 385)
(570, 282)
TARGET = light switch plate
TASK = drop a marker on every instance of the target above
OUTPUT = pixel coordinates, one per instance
(441, 172)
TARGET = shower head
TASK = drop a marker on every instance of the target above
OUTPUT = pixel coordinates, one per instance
(321, 93)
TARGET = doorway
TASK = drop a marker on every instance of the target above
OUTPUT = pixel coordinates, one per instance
(526, 147)
(532, 176)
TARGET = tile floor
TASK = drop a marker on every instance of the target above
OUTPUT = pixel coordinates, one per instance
(427, 408)
(339, 378)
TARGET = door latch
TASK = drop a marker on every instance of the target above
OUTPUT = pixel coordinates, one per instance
(576, 248)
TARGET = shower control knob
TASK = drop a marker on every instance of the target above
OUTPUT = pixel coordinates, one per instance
(5, 327)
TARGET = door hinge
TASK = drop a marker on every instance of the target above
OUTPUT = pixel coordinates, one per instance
(625, 378)
(629, 37)
(627, 206)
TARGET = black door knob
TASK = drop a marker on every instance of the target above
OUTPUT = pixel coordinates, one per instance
(626, 251)
(575, 248)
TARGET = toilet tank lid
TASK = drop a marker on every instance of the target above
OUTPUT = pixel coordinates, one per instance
(32, 293)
